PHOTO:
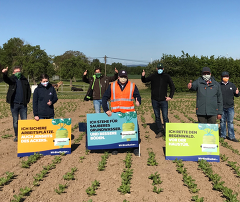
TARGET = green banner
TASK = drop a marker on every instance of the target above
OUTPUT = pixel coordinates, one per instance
(192, 142)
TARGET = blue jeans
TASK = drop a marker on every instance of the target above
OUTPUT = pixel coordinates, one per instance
(17, 109)
(97, 105)
(227, 116)
(163, 105)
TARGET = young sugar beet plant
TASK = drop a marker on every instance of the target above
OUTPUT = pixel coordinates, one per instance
(92, 189)
(126, 175)
(156, 180)
(103, 162)
(5, 180)
(39, 176)
(151, 160)
(217, 184)
(68, 176)
(187, 179)
(23, 192)
(31, 160)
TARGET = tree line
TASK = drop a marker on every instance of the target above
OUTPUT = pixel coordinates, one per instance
(72, 64)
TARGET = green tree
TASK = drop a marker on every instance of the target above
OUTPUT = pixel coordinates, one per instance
(34, 62)
(73, 67)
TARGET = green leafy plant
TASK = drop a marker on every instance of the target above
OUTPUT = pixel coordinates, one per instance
(151, 160)
(31, 160)
(7, 179)
(70, 175)
(126, 178)
(92, 189)
(103, 162)
(61, 188)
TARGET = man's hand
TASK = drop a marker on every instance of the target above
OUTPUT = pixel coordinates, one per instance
(237, 91)
(168, 98)
(219, 116)
(36, 118)
(109, 113)
(137, 103)
(116, 70)
(85, 73)
(189, 84)
(49, 103)
(5, 70)
(143, 73)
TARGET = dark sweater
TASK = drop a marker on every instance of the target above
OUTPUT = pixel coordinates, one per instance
(41, 96)
(228, 93)
(11, 81)
(159, 85)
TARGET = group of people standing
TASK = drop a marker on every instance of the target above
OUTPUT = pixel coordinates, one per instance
(19, 94)
(215, 100)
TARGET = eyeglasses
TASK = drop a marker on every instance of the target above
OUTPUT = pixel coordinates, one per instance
(206, 73)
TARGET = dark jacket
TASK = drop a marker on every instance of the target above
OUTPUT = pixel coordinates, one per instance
(41, 96)
(209, 97)
(159, 85)
(100, 86)
(107, 95)
(228, 93)
(11, 81)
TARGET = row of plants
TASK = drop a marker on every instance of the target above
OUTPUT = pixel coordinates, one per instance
(126, 175)
(151, 160)
(92, 189)
(103, 162)
(156, 181)
(79, 138)
(188, 180)
(5, 180)
(217, 184)
(226, 145)
(31, 160)
(68, 176)
(37, 178)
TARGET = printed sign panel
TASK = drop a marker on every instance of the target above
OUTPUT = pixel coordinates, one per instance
(115, 132)
(46, 136)
(192, 142)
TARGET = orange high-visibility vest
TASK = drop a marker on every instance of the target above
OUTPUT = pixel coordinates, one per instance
(122, 101)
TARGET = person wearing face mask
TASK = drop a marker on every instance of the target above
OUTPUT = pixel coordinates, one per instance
(209, 104)
(229, 90)
(122, 94)
(99, 83)
(18, 95)
(159, 85)
(44, 97)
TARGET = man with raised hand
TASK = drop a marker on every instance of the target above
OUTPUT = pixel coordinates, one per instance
(18, 95)
(122, 94)
(209, 104)
(229, 90)
(159, 85)
(99, 83)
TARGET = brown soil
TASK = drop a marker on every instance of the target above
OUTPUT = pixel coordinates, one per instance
(110, 178)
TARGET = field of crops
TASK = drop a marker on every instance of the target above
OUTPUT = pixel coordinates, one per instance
(99, 176)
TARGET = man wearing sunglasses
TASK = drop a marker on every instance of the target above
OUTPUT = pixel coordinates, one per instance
(209, 104)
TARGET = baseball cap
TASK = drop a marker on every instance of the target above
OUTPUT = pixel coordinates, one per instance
(160, 66)
(122, 73)
(225, 74)
(206, 69)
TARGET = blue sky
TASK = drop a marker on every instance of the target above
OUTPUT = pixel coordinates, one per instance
(139, 30)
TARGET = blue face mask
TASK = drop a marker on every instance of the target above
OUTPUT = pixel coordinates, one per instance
(44, 84)
(160, 71)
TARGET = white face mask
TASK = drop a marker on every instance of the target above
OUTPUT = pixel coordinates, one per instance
(206, 77)
(45, 83)
(123, 80)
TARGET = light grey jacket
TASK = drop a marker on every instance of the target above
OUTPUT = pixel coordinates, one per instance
(209, 97)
